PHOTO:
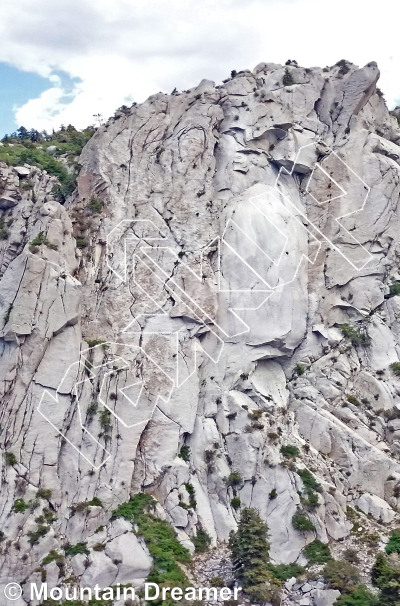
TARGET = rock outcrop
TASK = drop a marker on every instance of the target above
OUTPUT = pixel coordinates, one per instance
(178, 320)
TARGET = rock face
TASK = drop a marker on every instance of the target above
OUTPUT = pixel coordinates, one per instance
(188, 300)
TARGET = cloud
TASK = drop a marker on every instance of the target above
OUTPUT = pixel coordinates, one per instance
(119, 50)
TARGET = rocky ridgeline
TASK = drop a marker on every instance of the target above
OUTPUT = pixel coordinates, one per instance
(239, 161)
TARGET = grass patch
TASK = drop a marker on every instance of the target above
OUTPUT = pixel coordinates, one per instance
(290, 451)
(355, 336)
(317, 552)
(73, 550)
(160, 540)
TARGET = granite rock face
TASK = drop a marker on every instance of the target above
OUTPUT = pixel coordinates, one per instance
(190, 294)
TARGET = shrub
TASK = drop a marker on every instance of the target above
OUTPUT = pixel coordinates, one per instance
(105, 419)
(351, 555)
(255, 415)
(38, 241)
(341, 575)
(317, 552)
(95, 204)
(395, 368)
(394, 542)
(273, 494)
(99, 547)
(184, 453)
(20, 506)
(234, 479)
(53, 556)
(80, 242)
(11, 459)
(160, 540)
(302, 522)
(385, 575)
(394, 288)
(310, 483)
(287, 78)
(299, 369)
(312, 501)
(4, 233)
(355, 336)
(343, 65)
(290, 451)
(361, 596)
(235, 503)
(73, 550)
(83, 505)
(250, 554)
(201, 541)
(352, 400)
(43, 493)
(283, 572)
(34, 536)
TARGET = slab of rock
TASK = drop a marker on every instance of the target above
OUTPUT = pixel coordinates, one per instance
(376, 507)
(325, 597)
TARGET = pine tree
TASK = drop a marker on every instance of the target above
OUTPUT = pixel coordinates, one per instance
(250, 553)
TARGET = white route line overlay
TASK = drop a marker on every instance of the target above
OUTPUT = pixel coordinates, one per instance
(143, 255)
(84, 365)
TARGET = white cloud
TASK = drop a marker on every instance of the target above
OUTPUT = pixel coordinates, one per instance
(129, 49)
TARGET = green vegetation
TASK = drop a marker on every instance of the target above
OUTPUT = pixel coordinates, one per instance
(43, 493)
(29, 147)
(95, 205)
(386, 576)
(299, 369)
(11, 459)
(255, 415)
(341, 575)
(360, 596)
(46, 517)
(192, 497)
(290, 451)
(105, 419)
(4, 233)
(235, 503)
(73, 550)
(53, 556)
(34, 536)
(301, 522)
(394, 288)
(283, 572)
(38, 241)
(344, 67)
(250, 554)
(234, 479)
(184, 453)
(160, 539)
(287, 78)
(201, 541)
(20, 506)
(80, 242)
(394, 542)
(94, 342)
(352, 400)
(395, 368)
(317, 552)
(84, 505)
(309, 481)
(311, 487)
(355, 336)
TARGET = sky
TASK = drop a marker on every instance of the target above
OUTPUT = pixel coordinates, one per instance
(62, 62)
